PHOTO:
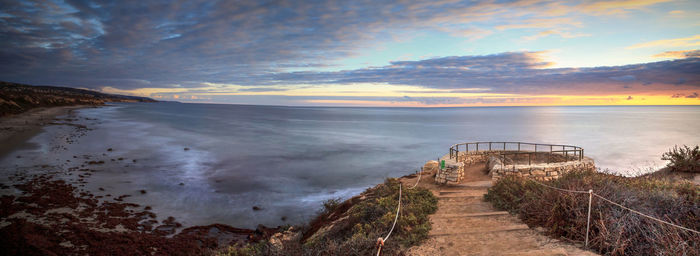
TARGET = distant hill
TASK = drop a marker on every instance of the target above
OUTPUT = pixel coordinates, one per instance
(17, 98)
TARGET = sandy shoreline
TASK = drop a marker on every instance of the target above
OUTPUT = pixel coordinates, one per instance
(52, 205)
(16, 129)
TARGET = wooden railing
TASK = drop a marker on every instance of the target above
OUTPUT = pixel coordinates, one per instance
(516, 148)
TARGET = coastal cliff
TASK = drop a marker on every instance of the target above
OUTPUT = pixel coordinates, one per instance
(17, 98)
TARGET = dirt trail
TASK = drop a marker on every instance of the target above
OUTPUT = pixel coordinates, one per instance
(465, 224)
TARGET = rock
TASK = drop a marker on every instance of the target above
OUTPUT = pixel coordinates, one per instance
(278, 240)
(537, 172)
(256, 208)
(109, 149)
(186, 149)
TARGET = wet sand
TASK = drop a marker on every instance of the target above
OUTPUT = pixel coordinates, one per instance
(15, 130)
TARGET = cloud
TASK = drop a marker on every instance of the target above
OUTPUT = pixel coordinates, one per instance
(629, 98)
(617, 7)
(691, 41)
(546, 33)
(512, 72)
(161, 44)
(694, 95)
(679, 54)
(625, 78)
(261, 89)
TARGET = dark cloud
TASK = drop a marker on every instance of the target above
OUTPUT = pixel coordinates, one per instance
(94, 43)
(694, 95)
(183, 44)
(625, 78)
(262, 89)
(629, 98)
(512, 72)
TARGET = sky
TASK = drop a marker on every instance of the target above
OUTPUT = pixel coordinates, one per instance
(437, 53)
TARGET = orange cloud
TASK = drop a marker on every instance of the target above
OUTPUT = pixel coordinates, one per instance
(679, 54)
(675, 42)
(617, 7)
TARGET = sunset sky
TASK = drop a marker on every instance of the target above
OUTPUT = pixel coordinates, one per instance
(361, 53)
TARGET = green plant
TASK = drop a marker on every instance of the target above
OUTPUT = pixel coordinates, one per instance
(366, 219)
(683, 159)
(330, 205)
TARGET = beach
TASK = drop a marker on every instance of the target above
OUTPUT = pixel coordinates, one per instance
(15, 130)
(47, 209)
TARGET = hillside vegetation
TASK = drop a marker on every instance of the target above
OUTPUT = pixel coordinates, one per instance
(613, 230)
(17, 98)
(353, 226)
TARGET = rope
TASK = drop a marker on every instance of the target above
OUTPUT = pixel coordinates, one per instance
(645, 215)
(380, 241)
(419, 174)
(397, 215)
(619, 205)
(561, 189)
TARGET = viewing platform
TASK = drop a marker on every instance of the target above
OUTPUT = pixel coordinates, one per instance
(522, 159)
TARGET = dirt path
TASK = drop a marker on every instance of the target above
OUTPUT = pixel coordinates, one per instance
(465, 224)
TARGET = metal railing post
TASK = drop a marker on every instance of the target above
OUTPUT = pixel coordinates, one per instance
(518, 146)
(489, 146)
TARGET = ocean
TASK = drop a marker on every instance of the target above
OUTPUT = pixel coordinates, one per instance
(211, 163)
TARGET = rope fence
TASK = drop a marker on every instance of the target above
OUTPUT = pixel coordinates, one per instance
(380, 241)
(590, 200)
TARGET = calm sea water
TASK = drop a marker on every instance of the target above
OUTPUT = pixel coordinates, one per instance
(287, 160)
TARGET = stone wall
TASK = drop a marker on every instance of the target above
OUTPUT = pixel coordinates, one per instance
(474, 157)
(540, 171)
(454, 171)
(452, 174)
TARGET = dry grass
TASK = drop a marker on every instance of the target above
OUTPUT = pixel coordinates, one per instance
(614, 231)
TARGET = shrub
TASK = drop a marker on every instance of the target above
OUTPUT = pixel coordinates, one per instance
(352, 227)
(372, 217)
(330, 205)
(683, 159)
(614, 231)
